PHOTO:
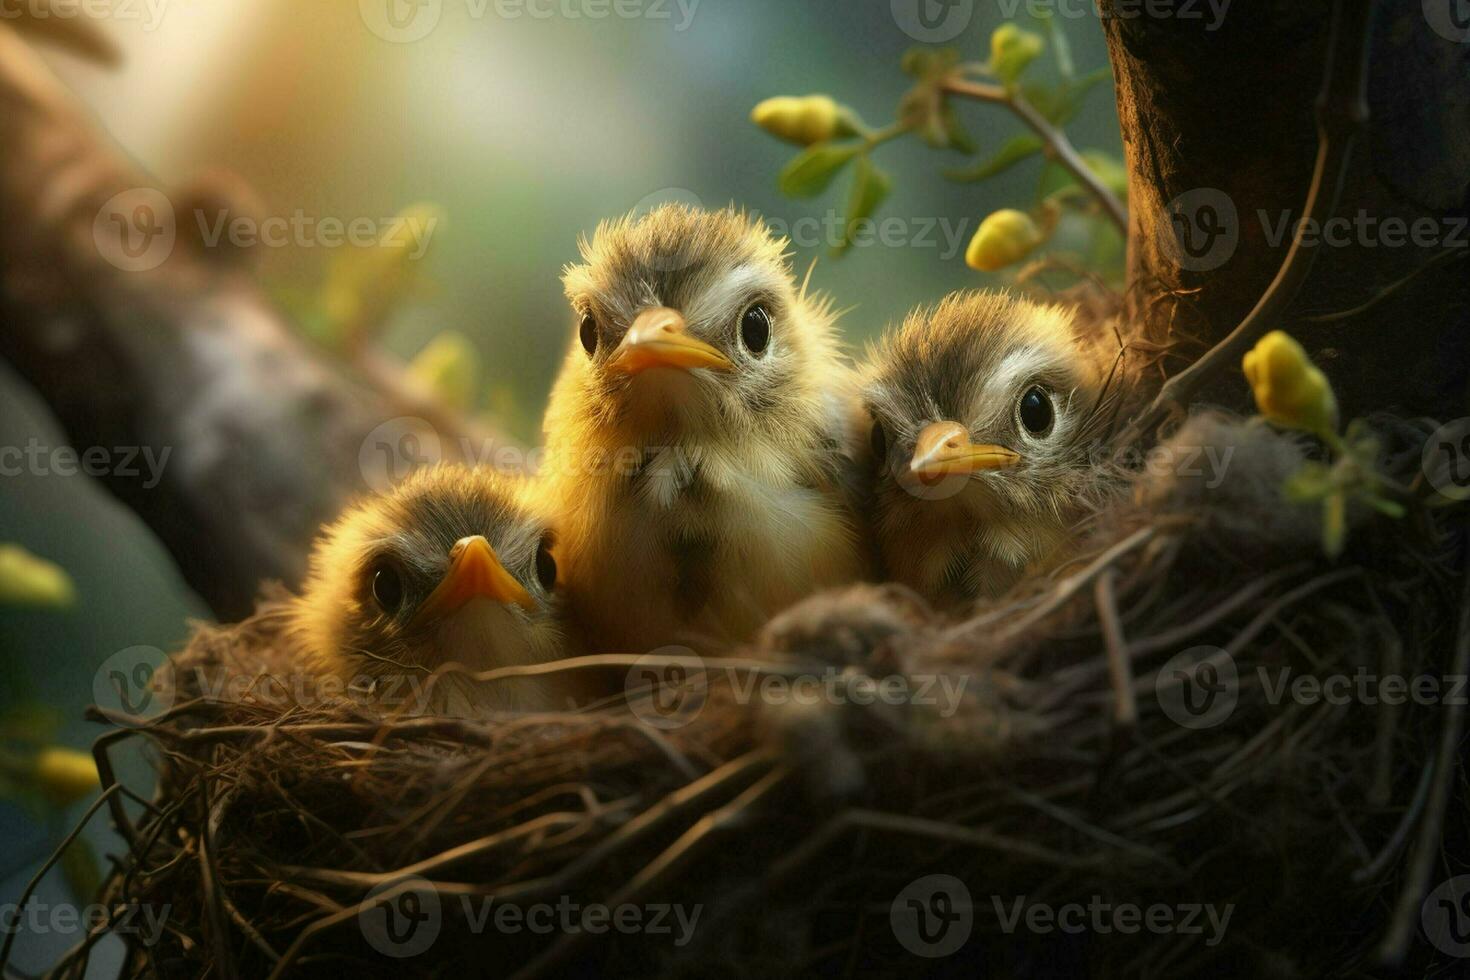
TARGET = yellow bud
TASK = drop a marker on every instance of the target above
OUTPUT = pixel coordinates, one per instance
(66, 775)
(30, 581)
(1011, 50)
(1004, 238)
(1290, 390)
(803, 121)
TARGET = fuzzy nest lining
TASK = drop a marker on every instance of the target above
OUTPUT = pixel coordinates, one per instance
(1062, 775)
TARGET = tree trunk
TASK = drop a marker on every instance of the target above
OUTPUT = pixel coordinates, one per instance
(1221, 124)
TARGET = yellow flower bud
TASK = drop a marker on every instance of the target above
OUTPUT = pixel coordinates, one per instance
(1290, 390)
(1004, 238)
(66, 775)
(803, 121)
(1011, 50)
(30, 581)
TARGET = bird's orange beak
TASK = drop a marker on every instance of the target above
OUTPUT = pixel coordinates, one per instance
(945, 447)
(659, 338)
(474, 572)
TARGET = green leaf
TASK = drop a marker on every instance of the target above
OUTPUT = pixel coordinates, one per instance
(26, 580)
(1311, 483)
(870, 187)
(929, 63)
(1055, 182)
(1060, 103)
(1012, 152)
(1389, 508)
(1334, 524)
(810, 173)
(955, 135)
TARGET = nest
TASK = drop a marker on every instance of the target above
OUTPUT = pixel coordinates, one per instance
(1115, 736)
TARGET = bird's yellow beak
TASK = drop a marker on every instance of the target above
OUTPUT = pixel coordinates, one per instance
(945, 447)
(474, 572)
(658, 338)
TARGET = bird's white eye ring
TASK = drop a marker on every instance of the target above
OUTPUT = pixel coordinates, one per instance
(387, 585)
(1035, 411)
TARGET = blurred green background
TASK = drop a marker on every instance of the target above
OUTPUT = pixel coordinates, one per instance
(525, 131)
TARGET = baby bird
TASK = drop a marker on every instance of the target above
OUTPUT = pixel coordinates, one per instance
(699, 435)
(985, 413)
(452, 566)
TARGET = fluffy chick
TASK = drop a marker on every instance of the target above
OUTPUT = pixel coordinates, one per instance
(986, 413)
(699, 435)
(454, 566)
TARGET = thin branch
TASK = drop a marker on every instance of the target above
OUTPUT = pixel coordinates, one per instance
(1342, 113)
(1058, 147)
(56, 855)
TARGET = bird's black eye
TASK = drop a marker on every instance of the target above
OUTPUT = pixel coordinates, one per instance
(587, 331)
(545, 564)
(879, 437)
(755, 328)
(388, 587)
(1036, 411)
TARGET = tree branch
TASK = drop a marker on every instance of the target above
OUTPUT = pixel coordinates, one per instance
(260, 437)
(1058, 147)
(1342, 112)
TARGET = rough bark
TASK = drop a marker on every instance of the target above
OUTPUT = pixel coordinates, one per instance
(1232, 110)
